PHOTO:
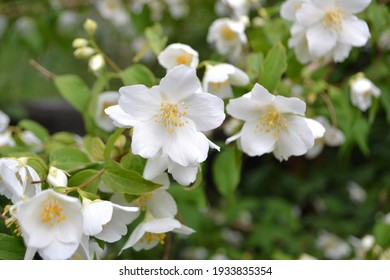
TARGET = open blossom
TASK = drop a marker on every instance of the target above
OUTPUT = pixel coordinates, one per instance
(218, 79)
(228, 36)
(17, 179)
(105, 100)
(51, 223)
(362, 90)
(273, 124)
(171, 117)
(325, 28)
(177, 54)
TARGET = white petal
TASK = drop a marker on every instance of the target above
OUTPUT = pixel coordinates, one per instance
(71, 229)
(95, 215)
(148, 138)
(295, 140)
(144, 244)
(161, 225)
(341, 52)
(179, 83)
(255, 142)
(155, 166)
(139, 102)
(289, 9)
(355, 6)
(286, 105)
(354, 32)
(119, 117)
(309, 14)
(316, 128)
(184, 230)
(30, 253)
(184, 175)
(58, 250)
(315, 150)
(238, 77)
(205, 110)
(186, 146)
(233, 138)
(243, 108)
(135, 236)
(320, 40)
(261, 94)
(161, 204)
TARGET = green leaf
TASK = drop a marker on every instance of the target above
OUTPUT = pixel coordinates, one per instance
(254, 62)
(157, 39)
(95, 147)
(68, 158)
(74, 90)
(111, 143)
(226, 170)
(361, 130)
(126, 181)
(11, 247)
(38, 165)
(83, 176)
(275, 64)
(39, 131)
(133, 162)
(382, 234)
(138, 74)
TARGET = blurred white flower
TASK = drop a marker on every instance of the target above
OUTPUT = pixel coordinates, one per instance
(232, 237)
(362, 90)
(194, 253)
(177, 54)
(96, 63)
(289, 8)
(57, 177)
(68, 20)
(218, 79)
(4, 121)
(384, 40)
(234, 8)
(171, 117)
(84, 52)
(356, 193)
(273, 124)
(333, 137)
(105, 100)
(113, 11)
(17, 179)
(228, 36)
(362, 246)
(333, 247)
(29, 138)
(51, 223)
(178, 8)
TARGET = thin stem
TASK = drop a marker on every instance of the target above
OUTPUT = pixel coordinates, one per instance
(113, 65)
(168, 245)
(46, 73)
(330, 107)
(86, 183)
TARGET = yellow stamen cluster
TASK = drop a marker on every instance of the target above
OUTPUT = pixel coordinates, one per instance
(228, 34)
(170, 115)
(273, 122)
(141, 200)
(216, 87)
(184, 58)
(334, 18)
(9, 222)
(52, 213)
(150, 237)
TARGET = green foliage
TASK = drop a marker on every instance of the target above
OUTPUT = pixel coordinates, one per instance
(138, 74)
(156, 38)
(69, 159)
(11, 247)
(275, 64)
(39, 131)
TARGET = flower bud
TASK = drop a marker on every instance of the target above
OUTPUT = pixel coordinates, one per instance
(96, 62)
(79, 43)
(84, 52)
(57, 177)
(90, 26)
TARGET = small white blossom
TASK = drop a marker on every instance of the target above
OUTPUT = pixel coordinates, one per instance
(57, 177)
(333, 247)
(96, 63)
(4, 121)
(218, 79)
(177, 54)
(51, 223)
(178, 8)
(356, 193)
(384, 40)
(228, 36)
(114, 11)
(273, 124)
(362, 246)
(235, 8)
(84, 52)
(171, 117)
(362, 90)
(104, 101)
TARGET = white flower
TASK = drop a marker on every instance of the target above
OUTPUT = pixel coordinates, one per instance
(362, 89)
(356, 193)
(96, 63)
(105, 220)
(273, 124)
(105, 100)
(235, 7)
(171, 116)
(289, 9)
(218, 79)
(333, 247)
(114, 11)
(227, 35)
(333, 137)
(330, 26)
(57, 177)
(88, 250)
(156, 165)
(178, 8)
(362, 246)
(17, 179)
(4, 121)
(152, 231)
(384, 40)
(51, 223)
(177, 54)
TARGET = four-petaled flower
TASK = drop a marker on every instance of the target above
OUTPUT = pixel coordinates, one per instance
(178, 54)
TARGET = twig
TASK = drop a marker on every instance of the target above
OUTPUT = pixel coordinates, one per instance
(46, 73)
(86, 183)
(330, 107)
(168, 244)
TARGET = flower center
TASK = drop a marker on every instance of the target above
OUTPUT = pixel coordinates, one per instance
(150, 237)
(217, 86)
(52, 213)
(228, 34)
(170, 115)
(141, 201)
(273, 122)
(185, 59)
(334, 18)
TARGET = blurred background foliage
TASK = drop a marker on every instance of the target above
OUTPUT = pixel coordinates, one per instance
(265, 209)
